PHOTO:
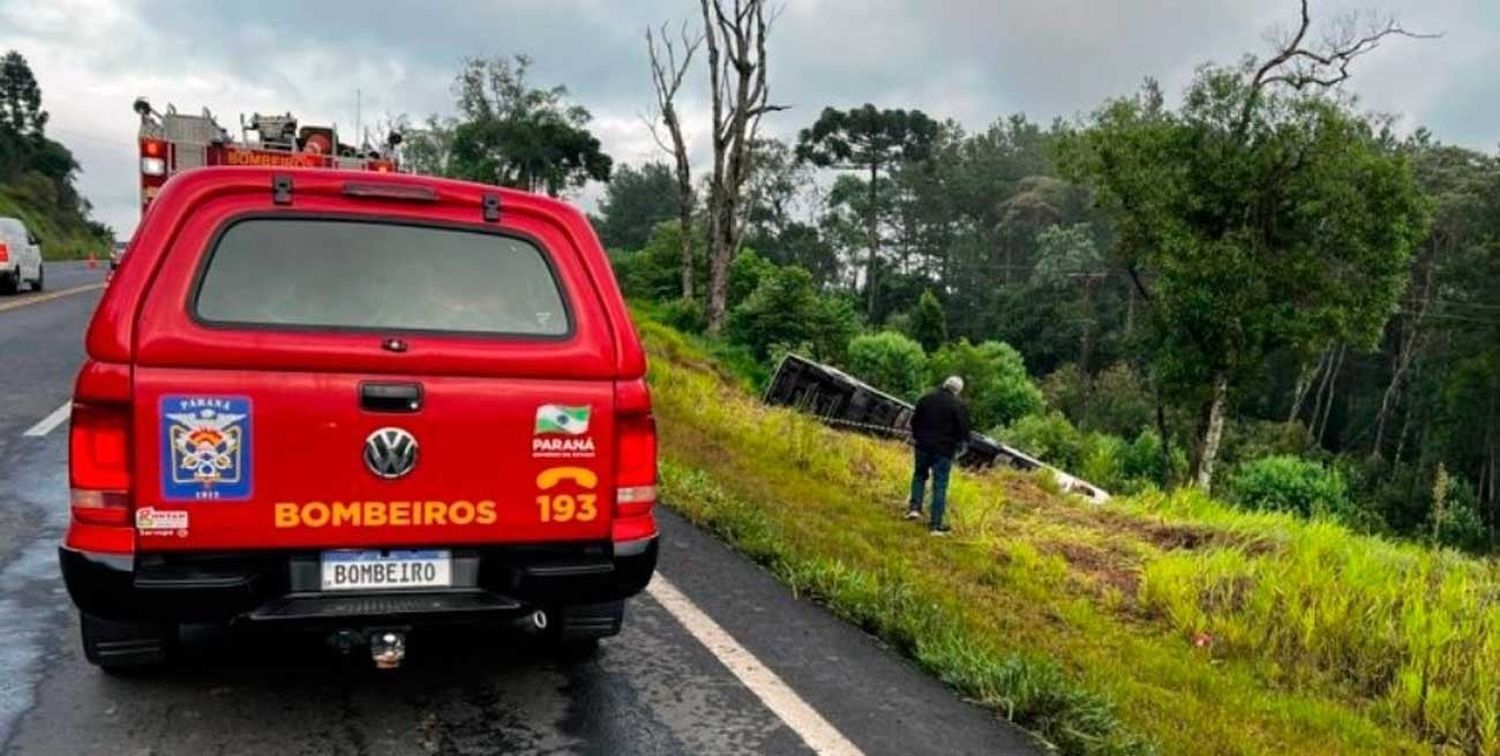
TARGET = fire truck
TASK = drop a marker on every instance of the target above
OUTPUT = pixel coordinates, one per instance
(171, 142)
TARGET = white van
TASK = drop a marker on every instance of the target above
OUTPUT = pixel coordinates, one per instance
(20, 257)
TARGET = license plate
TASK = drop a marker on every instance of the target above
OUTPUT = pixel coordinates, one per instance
(380, 570)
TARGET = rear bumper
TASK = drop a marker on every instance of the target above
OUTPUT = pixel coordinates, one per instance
(281, 587)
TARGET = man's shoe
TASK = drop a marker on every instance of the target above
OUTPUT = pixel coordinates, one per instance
(913, 514)
(942, 531)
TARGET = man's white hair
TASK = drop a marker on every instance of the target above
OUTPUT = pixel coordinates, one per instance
(953, 383)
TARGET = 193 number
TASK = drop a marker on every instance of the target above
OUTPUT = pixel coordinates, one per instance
(568, 507)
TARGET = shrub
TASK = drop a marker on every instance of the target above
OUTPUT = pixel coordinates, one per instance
(1286, 483)
(888, 361)
(685, 315)
(1142, 462)
(1103, 461)
(1048, 436)
(1454, 517)
(996, 385)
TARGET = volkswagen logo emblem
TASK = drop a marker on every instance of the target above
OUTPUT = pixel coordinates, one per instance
(390, 453)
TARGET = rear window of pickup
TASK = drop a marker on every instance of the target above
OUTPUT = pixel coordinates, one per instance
(378, 276)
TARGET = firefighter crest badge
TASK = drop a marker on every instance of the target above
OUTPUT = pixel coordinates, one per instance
(205, 448)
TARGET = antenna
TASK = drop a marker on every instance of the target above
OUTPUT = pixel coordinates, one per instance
(359, 96)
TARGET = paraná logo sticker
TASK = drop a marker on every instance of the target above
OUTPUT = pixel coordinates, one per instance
(561, 432)
(206, 444)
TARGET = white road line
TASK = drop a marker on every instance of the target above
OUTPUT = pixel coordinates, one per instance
(814, 730)
(50, 422)
(48, 297)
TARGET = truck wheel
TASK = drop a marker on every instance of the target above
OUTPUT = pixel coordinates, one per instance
(575, 631)
(115, 646)
(10, 284)
(41, 274)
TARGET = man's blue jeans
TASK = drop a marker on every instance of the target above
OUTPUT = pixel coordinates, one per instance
(937, 466)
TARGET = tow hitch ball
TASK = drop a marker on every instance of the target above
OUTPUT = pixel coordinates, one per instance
(387, 648)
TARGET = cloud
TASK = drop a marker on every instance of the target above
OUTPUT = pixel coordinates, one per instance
(972, 60)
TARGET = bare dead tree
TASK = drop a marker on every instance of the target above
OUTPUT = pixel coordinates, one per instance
(667, 72)
(1300, 63)
(735, 31)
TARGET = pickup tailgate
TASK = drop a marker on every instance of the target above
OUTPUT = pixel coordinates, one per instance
(341, 380)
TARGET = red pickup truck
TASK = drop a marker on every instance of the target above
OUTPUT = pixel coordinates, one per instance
(359, 404)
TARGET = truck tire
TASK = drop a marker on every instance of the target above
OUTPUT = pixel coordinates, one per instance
(10, 284)
(41, 275)
(116, 646)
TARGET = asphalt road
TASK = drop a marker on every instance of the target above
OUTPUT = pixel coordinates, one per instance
(802, 681)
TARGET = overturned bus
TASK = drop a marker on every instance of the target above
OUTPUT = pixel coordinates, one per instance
(845, 402)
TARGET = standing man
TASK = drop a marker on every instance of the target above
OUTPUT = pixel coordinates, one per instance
(940, 428)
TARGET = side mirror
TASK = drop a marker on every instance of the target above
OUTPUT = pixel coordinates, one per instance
(31, 239)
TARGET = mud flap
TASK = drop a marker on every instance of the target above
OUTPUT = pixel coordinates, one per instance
(120, 646)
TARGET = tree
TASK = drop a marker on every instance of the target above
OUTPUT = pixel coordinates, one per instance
(774, 189)
(786, 310)
(746, 274)
(667, 73)
(739, 96)
(425, 148)
(513, 135)
(635, 200)
(1264, 215)
(929, 326)
(890, 362)
(869, 140)
(1067, 258)
(20, 97)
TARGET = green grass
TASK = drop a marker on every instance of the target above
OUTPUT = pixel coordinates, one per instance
(1161, 622)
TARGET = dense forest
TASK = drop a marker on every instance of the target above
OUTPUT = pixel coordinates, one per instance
(1252, 285)
(37, 173)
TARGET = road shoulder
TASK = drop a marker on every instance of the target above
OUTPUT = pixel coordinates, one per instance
(880, 701)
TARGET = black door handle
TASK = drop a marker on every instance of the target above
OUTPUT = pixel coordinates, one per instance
(390, 397)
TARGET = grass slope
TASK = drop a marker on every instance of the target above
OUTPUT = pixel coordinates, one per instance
(62, 237)
(1168, 623)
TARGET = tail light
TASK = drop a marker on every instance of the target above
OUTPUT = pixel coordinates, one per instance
(635, 462)
(153, 157)
(4, 253)
(99, 446)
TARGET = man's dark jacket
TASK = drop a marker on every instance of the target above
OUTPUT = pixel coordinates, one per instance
(940, 423)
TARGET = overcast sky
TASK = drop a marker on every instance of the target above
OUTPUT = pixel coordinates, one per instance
(971, 60)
